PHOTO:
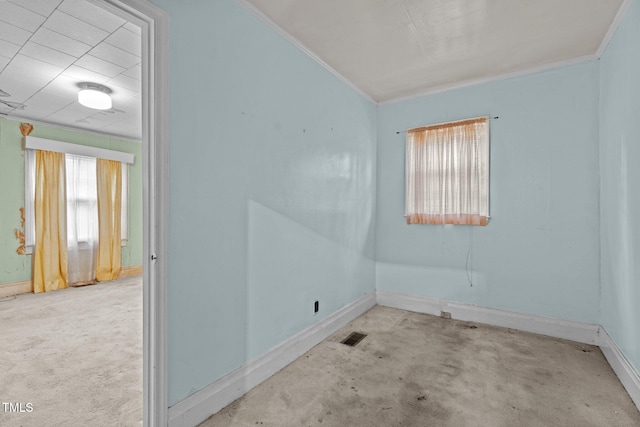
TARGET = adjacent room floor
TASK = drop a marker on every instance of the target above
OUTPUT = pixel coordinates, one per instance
(418, 370)
(75, 355)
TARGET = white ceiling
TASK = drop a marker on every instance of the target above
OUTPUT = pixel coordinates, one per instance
(47, 47)
(387, 49)
(395, 49)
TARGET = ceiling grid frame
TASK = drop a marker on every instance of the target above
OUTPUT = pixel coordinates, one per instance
(35, 56)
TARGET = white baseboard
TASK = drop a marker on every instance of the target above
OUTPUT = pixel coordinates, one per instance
(17, 288)
(211, 399)
(627, 374)
(558, 328)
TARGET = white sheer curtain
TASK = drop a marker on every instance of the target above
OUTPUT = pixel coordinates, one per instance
(29, 199)
(82, 219)
(447, 173)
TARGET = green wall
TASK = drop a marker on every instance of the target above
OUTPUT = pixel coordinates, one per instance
(17, 268)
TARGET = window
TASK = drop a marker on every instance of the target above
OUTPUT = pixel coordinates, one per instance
(82, 198)
(447, 173)
(80, 171)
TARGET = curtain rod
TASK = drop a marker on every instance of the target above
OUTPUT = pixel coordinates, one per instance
(404, 131)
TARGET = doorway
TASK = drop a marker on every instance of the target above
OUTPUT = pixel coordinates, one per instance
(154, 24)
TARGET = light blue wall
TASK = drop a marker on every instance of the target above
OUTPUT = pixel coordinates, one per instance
(620, 180)
(278, 172)
(272, 191)
(540, 252)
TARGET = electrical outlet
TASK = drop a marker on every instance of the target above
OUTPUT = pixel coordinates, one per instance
(445, 315)
(316, 306)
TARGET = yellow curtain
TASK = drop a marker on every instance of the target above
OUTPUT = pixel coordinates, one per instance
(50, 257)
(109, 178)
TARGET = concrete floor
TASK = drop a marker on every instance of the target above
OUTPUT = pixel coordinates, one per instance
(419, 370)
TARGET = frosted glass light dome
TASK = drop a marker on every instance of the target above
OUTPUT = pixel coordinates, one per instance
(94, 96)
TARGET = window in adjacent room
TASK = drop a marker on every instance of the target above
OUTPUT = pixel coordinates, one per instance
(447, 173)
(80, 171)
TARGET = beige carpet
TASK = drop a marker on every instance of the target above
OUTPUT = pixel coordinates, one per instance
(415, 370)
(75, 355)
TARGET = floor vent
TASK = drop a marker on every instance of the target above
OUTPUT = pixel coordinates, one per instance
(353, 339)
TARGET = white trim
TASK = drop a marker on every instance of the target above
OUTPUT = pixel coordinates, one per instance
(474, 82)
(206, 402)
(627, 374)
(154, 23)
(550, 326)
(294, 41)
(35, 143)
(614, 26)
(16, 288)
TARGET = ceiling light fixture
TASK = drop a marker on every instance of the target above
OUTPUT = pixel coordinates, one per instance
(94, 95)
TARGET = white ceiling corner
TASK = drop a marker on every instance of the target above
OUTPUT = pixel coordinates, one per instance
(400, 49)
(613, 27)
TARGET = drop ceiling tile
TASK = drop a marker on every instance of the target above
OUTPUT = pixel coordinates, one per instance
(133, 28)
(130, 105)
(33, 65)
(62, 86)
(42, 7)
(19, 89)
(127, 129)
(35, 73)
(122, 98)
(47, 103)
(106, 118)
(23, 115)
(46, 54)
(83, 75)
(92, 14)
(74, 28)
(99, 66)
(134, 72)
(20, 17)
(13, 34)
(115, 55)
(20, 93)
(4, 110)
(125, 82)
(126, 40)
(98, 122)
(71, 113)
(60, 42)
(85, 124)
(3, 62)
(8, 49)
(40, 113)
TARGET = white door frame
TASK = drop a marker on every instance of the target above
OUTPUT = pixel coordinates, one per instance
(154, 24)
